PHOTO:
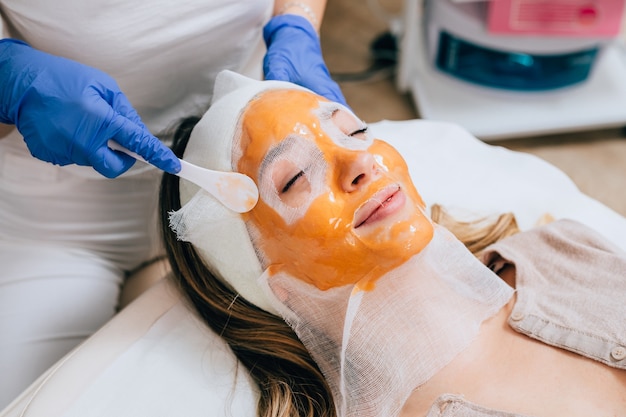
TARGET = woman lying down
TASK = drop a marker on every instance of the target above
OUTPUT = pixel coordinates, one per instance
(343, 298)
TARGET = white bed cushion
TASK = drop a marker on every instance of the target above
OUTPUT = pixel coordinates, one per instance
(451, 167)
(156, 357)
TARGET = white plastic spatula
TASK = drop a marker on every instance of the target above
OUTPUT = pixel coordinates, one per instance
(234, 190)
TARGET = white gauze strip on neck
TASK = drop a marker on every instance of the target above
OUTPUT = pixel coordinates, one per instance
(376, 347)
(217, 233)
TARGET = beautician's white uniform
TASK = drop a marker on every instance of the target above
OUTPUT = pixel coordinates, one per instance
(67, 234)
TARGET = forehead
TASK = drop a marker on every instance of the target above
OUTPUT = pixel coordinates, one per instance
(276, 117)
(275, 114)
(272, 99)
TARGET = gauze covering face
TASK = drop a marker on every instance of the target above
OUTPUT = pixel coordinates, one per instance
(375, 347)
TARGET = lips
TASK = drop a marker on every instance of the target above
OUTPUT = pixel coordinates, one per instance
(379, 206)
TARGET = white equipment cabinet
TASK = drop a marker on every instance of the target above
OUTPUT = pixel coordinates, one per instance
(494, 114)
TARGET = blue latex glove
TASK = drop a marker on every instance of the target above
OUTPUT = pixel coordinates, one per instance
(294, 54)
(67, 112)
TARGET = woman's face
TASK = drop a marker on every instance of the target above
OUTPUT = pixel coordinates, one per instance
(336, 207)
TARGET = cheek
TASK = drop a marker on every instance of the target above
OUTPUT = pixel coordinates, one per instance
(326, 222)
(298, 195)
(328, 217)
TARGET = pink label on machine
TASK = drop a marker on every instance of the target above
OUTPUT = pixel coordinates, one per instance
(582, 18)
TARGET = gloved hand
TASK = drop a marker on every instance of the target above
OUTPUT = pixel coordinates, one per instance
(67, 112)
(294, 54)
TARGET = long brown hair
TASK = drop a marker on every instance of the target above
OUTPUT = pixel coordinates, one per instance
(289, 381)
(477, 233)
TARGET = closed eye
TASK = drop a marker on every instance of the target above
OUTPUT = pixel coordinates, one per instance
(361, 131)
(292, 182)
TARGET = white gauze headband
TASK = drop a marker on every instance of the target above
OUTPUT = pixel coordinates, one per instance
(217, 233)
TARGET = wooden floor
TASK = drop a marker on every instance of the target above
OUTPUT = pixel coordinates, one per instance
(595, 160)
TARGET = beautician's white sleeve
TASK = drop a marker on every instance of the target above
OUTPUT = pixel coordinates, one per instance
(67, 235)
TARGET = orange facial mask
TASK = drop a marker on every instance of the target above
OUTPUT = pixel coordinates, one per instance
(335, 207)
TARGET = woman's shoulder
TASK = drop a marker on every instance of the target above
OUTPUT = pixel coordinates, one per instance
(571, 283)
(563, 238)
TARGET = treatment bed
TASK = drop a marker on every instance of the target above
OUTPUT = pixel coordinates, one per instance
(156, 358)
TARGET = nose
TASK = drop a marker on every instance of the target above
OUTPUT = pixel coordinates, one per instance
(358, 169)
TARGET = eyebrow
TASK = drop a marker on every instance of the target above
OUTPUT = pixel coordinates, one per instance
(327, 110)
(275, 151)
